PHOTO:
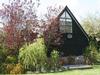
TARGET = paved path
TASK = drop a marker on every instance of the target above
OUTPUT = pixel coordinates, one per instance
(77, 66)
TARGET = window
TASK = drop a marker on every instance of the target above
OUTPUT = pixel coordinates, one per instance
(65, 23)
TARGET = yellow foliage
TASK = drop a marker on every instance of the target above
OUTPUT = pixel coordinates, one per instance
(9, 67)
(18, 69)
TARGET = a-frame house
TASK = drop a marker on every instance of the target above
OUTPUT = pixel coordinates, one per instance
(74, 37)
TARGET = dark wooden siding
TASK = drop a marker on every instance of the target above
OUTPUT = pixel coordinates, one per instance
(78, 42)
(75, 45)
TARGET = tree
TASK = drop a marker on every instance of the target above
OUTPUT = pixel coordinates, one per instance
(52, 35)
(20, 21)
(92, 25)
(53, 12)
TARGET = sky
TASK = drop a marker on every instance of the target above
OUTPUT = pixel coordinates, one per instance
(80, 8)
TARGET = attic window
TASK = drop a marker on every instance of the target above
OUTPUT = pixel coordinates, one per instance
(65, 23)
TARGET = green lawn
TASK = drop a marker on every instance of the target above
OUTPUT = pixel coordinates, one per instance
(94, 71)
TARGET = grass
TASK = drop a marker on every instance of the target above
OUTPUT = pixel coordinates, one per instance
(94, 71)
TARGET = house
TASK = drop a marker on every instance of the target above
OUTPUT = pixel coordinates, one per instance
(74, 37)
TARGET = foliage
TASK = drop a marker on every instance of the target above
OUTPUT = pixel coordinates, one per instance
(20, 22)
(52, 36)
(2, 68)
(91, 25)
(9, 67)
(2, 54)
(2, 46)
(55, 58)
(33, 56)
(91, 54)
(53, 11)
(53, 61)
(17, 69)
(11, 59)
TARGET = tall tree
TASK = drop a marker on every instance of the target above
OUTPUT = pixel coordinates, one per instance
(91, 24)
(21, 24)
(52, 35)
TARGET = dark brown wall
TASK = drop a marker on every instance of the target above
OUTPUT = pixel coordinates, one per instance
(75, 45)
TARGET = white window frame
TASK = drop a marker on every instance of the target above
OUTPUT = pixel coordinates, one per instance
(66, 25)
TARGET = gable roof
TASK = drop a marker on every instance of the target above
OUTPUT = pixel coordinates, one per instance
(72, 16)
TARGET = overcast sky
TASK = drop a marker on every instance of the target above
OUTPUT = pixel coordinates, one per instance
(80, 8)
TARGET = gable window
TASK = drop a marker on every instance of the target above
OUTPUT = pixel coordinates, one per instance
(65, 23)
